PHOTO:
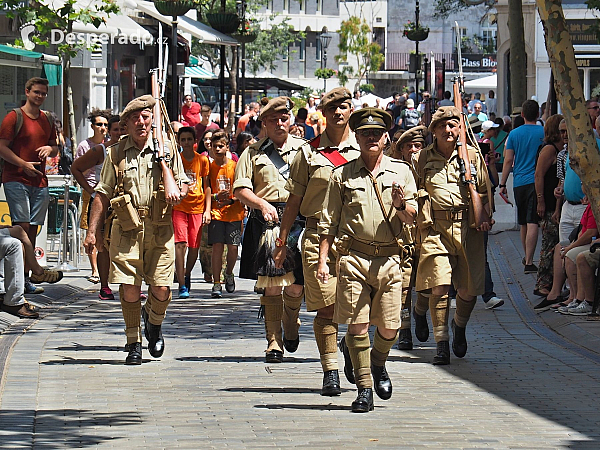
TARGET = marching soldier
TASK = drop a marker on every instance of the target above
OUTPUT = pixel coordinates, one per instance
(451, 250)
(141, 242)
(309, 175)
(260, 178)
(366, 203)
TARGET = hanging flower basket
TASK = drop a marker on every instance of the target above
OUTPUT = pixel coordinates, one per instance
(419, 34)
(173, 7)
(245, 37)
(227, 23)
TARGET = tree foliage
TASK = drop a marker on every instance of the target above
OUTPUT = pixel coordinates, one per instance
(355, 39)
(443, 8)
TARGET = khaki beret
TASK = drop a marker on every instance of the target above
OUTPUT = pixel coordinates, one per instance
(415, 134)
(335, 96)
(444, 113)
(370, 118)
(277, 105)
(138, 104)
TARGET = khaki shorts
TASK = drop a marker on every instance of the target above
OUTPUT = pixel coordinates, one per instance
(592, 259)
(452, 253)
(572, 254)
(316, 294)
(369, 290)
(146, 255)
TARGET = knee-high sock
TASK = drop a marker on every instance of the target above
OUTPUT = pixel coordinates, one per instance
(422, 304)
(291, 312)
(326, 337)
(273, 313)
(463, 311)
(358, 346)
(157, 309)
(381, 349)
(131, 315)
(439, 308)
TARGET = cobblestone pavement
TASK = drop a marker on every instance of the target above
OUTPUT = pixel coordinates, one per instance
(527, 381)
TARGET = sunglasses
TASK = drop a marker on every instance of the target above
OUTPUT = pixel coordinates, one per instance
(101, 124)
(563, 131)
(594, 107)
(371, 132)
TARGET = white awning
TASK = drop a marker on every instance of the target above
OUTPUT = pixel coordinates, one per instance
(117, 25)
(489, 82)
(199, 72)
(206, 34)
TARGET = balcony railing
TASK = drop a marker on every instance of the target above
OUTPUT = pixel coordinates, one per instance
(400, 61)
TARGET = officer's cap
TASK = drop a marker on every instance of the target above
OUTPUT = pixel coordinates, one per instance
(137, 104)
(277, 105)
(370, 118)
(444, 113)
(415, 134)
(336, 96)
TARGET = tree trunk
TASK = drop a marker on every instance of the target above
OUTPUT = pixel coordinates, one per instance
(518, 83)
(69, 99)
(583, 149)
(233, 73)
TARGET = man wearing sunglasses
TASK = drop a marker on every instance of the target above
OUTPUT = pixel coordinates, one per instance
(366, 203)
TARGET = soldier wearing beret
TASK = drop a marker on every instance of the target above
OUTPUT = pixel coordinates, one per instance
(366, 203)
(309, 174)
(260, 178)
(452, 252)
(142, 249)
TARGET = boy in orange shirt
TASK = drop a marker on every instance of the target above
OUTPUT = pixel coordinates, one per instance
(192, 212)
(227, 213)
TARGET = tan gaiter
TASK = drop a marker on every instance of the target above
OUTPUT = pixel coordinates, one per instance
(381, 349)
(156, 309)
(439, 308)
(291, 312)
(422, 304)
(131, 315)
(326, 337)
(273, 313)
(463, 311)
(358, 346)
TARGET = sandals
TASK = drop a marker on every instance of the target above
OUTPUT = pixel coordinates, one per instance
(93, 279)
(49, 276)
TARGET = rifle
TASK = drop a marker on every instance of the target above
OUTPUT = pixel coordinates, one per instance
(172, 192)
(463, 155)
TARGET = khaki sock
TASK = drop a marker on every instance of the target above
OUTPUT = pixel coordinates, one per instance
(156, 309)
(326, 337)
(358, 346)
(291, 313)
(273, 313)
(381, 349)
(131, 315)
(463, 311)
(422, 304)
(439, 308)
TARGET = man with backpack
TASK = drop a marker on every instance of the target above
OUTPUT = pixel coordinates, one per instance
(409, 117)
(27, 138)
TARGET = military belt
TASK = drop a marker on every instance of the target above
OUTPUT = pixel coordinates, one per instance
(375, 249)
(453, 215)
(312, 222)
(143, 212)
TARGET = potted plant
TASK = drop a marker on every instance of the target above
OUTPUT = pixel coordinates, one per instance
(247, 34)
(415, 32)
(224, 22)
(173, 7)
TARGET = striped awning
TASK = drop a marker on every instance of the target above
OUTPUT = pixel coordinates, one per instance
(199, 72)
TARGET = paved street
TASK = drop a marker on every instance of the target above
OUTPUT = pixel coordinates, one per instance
(528, 381)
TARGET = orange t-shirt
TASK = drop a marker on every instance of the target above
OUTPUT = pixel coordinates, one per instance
(229, 213)
(196, 169)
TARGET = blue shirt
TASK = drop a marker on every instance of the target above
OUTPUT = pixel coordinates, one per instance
(525, 141)
(309, 132)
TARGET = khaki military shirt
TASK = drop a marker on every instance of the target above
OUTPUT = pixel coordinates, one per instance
(256, 172)
(310, 172)
(440, 177)
(351, 207)
(142, 174)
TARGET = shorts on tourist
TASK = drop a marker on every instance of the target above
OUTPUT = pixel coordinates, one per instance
(229, 233)
(572, 254)
(187, 228)
(592, 259)
(525, 200)
(27, 204)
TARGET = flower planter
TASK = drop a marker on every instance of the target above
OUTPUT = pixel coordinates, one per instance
(227, 23)
(245, 37)
(417, 35)
(173, 7)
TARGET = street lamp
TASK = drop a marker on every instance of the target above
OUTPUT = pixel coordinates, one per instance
(325, 39)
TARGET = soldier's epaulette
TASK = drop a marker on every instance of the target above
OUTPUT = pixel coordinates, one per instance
(343, 165)
(399, 161)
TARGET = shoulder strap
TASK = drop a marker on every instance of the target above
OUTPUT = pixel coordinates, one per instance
(385, 215)
(268, 148)
(333, 156)
(18, 125)
(117, 156)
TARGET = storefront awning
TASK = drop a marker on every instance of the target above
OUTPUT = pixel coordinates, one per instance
(199, 72)
(118, 26)
(206, 34)
(51, 67)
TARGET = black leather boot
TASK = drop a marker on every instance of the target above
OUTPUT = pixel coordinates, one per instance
(153, 333)
(383, 384)
(348, 369)
(364, 401)
(443, 354)
(331, 383)
(405, 339)
(134, 358)
(421, 327)
(291, 345)
(459, 340)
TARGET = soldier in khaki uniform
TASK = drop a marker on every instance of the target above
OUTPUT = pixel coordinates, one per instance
(451, 251)
(145, 253)
(260, 185)
(407, 145)
(366, 203)
(309, 174)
